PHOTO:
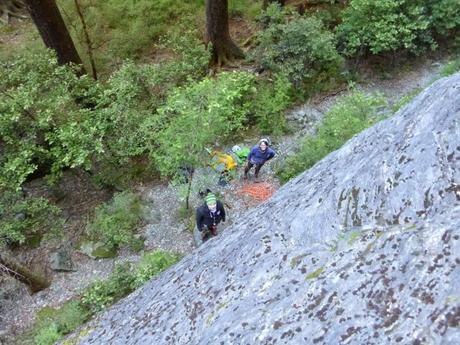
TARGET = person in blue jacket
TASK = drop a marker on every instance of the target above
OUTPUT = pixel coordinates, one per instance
(259, 154)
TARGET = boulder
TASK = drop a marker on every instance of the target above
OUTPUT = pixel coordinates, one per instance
(364, 248)
(61, 260)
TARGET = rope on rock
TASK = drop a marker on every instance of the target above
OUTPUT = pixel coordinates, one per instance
(258, 191)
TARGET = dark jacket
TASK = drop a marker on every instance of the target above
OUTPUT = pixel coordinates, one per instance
(204, 217)
(256, 156)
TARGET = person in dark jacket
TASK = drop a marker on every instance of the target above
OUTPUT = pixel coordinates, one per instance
(209, 215)
(259, 154)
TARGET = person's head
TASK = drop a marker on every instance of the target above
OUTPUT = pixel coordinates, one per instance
(263, 144)
(211, 202)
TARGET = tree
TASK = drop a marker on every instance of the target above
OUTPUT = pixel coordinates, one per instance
(217, 32)
(53, 31)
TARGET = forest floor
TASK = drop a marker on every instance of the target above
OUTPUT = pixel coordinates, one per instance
(165, 228)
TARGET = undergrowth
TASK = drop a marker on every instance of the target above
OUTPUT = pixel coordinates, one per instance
(115, 223)
(52, 324)
(349, 116)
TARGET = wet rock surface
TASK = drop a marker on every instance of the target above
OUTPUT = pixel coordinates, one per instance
(364, 248)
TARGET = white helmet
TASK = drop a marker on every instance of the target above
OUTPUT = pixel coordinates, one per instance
(266, 141)
(236, 148)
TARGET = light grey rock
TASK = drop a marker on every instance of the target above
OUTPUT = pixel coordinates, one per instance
(364, 248)
(61, 260)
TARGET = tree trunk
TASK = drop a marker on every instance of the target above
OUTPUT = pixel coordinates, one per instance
(217, 32)
(23, 274)
(89, 45)
(53, 31)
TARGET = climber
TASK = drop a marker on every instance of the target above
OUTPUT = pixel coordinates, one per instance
(259, 154)
(208, 215)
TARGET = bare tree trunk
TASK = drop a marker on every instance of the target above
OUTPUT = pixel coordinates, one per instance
(89, 45)
(217, 32)
(53, 31)
(22, 273)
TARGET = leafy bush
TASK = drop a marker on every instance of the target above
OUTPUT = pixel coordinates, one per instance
(44, 124)
(200, 114)
(451, 67)
(152, 264)
(48, 335)
(128, 107)
(52, 324)
(299, 48)
(352, 114)
(115, 223)
(385, 26)
(124, 280)
(445, 16)
(269, 104)
(103, 293)
(21, 218)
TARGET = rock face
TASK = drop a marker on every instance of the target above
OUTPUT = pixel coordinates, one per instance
(364, 248)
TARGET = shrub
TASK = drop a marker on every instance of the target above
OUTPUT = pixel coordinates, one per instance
(52, 324)
(151, 265)
(385, 26)
(103, 293)
(270, 102)
(115, 223)
(451, 67)
(128, 107)
(300, 48)
(47, 335)
(45, 124)
(352, 114)
(124, 280)
(199, 115)
(21, 218)
(445, 16)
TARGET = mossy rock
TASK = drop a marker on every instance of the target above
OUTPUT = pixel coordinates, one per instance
(98, 250)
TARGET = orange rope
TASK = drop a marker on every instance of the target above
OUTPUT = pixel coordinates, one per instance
(259, 191)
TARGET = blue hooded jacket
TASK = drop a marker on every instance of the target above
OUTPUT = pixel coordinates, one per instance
(256, 156)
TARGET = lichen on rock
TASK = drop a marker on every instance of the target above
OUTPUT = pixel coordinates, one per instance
(396, 281)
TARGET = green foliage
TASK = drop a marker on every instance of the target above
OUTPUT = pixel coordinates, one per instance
(405, 99)
(47, 335)
(352, 114)
(270, 102)
(382, 26)
(103, 293)
(301, 48)
(451, 67)
(52, 324)
(115, 223)
(42, 125)
(152, 264)
(21, 218)
(246, 8)
(121, 29)
(445, 16)
(198, 115)
(132, 95)
(124, 280)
